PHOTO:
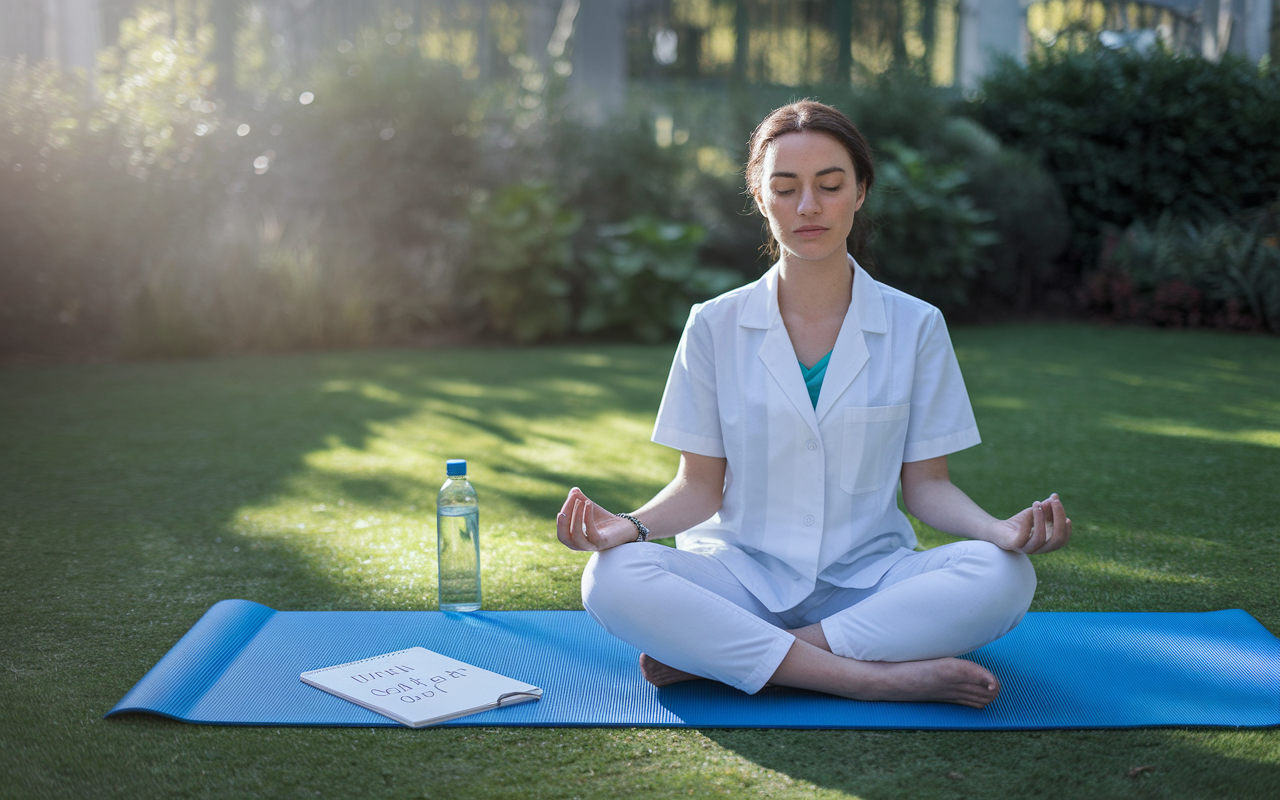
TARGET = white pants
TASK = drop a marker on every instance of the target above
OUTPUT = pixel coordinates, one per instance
(688, 610)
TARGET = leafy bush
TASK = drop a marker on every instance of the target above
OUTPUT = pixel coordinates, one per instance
(522, 259)
(615, 171)
(643, 278)
(931, 237)
(1224, 274)
(47, 295)
(1129, 137)
(999, 191)
(176, 225)
(1029, 217)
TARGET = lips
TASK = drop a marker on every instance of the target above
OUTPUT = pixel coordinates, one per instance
(810, 230)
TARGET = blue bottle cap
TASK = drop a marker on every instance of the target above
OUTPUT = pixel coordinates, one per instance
(455, 466)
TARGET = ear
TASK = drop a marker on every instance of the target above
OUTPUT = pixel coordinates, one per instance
(862, 196)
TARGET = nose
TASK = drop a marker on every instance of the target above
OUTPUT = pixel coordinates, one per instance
(809, 204)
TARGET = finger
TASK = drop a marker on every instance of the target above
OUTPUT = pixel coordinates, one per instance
(562, 530)
(575, 526)
(589, 531)
(1037, 538)
(574, 494)
(1024, 522)
(1059, 524)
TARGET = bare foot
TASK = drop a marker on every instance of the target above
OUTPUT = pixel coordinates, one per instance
(660, 674)
(942, 680)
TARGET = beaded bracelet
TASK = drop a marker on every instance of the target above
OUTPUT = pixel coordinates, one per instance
(641, 530)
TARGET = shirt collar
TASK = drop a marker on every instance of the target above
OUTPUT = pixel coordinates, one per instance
(866, 304)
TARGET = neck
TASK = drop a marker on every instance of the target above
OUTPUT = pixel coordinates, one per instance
(815, 289)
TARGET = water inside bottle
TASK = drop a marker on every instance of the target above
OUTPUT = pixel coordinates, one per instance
(458, 549)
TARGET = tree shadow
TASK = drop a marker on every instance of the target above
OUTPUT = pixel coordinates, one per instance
(133, 462)
(1160, 447)
(1085, 764)
(124, 486)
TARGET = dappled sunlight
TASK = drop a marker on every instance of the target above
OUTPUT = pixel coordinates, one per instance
(1166, 427)
(1216, 363)
(458, 388)
(360, 513)
(1256, 746)
(1269, 411)
(1233, 377)
(1103, 568)
(1062, 370)
(465, 390)
(1146, 381)
(571, 387)
(1002, 403)
(366, 389)
(587, 360)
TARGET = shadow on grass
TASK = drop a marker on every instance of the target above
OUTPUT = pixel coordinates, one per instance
(1075, 764)
(124, 485)
(121, 470)
(1162, 445)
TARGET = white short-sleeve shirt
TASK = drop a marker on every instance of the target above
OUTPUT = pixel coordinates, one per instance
(812, 493)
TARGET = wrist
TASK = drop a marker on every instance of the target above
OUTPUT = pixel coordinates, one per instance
(992, 530)
(642, 532)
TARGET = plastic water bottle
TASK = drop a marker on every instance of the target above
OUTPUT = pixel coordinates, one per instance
(458, 540)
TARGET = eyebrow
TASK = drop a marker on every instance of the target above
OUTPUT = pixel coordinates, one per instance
(819, 174)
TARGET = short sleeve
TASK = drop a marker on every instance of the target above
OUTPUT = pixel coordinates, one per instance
(941, 420)
(689, 416)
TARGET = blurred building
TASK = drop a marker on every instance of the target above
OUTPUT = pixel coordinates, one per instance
(607, 42)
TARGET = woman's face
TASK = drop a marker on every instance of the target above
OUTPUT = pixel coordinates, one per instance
(809, 193)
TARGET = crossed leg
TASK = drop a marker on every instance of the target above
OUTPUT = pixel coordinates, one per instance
(897, 647)
(810, 664)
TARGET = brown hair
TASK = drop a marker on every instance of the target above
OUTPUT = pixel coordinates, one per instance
(812, 116)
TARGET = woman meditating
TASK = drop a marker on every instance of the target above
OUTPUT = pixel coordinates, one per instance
(799, 402)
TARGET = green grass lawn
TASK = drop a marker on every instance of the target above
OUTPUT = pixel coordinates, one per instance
(134, 496)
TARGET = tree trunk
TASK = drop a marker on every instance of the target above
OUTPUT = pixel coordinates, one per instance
(844, 40)
(599, 78)
(222, 15)
(742, 41)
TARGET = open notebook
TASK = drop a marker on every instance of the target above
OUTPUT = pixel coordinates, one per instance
(419, 687)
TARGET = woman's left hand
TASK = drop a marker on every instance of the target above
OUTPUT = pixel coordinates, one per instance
(1042, 528)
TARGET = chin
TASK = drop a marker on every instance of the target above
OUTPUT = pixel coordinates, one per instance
(811, 251)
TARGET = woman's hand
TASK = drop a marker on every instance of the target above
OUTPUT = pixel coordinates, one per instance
(583, 525)
(1042, 528)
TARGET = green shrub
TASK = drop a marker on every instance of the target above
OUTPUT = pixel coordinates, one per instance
(172, 224)
(931, 238)
(1029, 217)
(1015, 198)
(384, 147)
(522, 262)
(1129, 137)
(644, 276)
(47, 294)
(616, 171)
(1224, 274)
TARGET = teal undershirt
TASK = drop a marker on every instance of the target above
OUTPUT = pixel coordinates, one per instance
(813, 377)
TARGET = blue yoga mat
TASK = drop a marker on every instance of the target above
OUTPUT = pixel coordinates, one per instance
(239, 665)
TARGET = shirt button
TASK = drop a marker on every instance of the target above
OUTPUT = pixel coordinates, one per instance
(811, 444)
(808, 519)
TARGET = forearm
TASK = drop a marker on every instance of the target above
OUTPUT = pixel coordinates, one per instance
(942, 505)
(932, 498)
(693, 496)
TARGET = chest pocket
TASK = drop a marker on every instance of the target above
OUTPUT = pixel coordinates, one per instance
(872, 447)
